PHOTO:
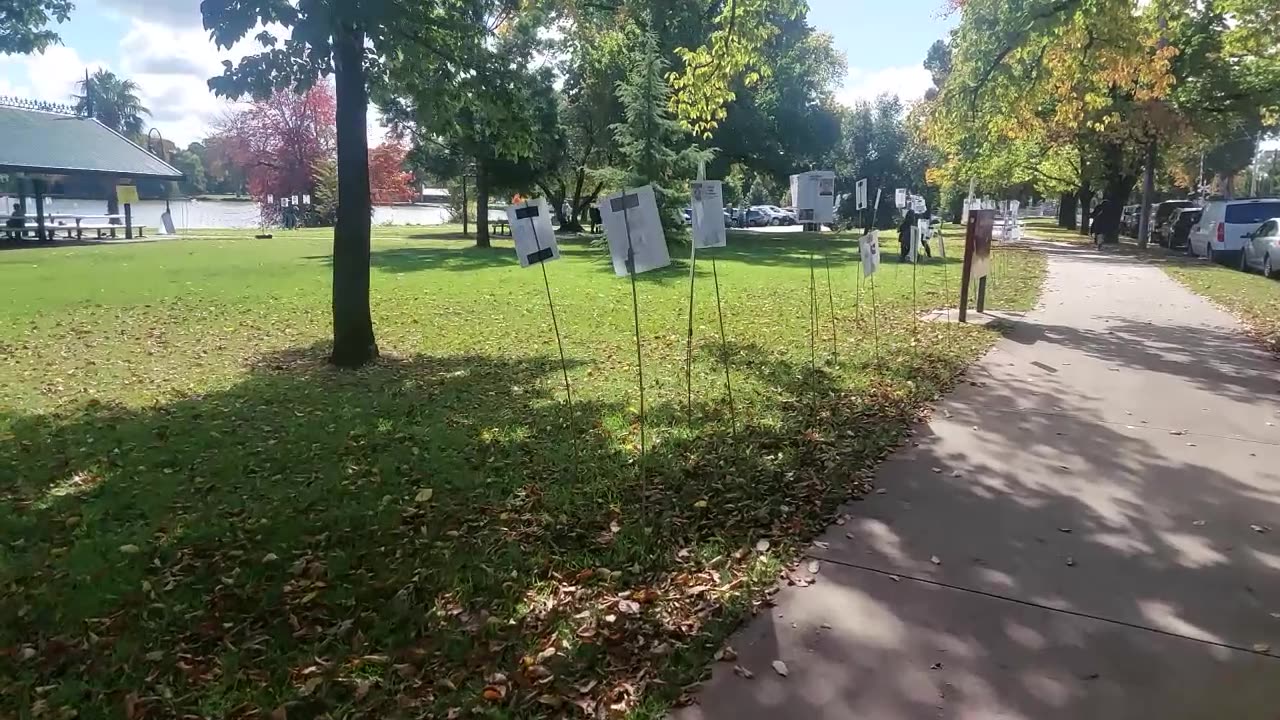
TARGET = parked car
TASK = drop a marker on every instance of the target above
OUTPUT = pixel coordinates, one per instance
(756, 217)
(1262, 249)
(1181, 222)
(1129, 220)
(777, 216)
(1223, 229)
(1161, 227)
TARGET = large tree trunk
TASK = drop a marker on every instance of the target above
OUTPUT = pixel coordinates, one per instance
(482, 205)
(1086, 206)
(1067, 211)
(353, 341)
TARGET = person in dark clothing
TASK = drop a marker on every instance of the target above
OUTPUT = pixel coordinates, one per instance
(910, 221)
(1101, 222)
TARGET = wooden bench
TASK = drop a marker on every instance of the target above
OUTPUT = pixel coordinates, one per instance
(500, 227)
(101, 230)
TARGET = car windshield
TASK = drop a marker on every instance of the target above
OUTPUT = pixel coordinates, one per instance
(1252, 213)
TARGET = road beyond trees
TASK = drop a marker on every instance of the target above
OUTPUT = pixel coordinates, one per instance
(1088, 527)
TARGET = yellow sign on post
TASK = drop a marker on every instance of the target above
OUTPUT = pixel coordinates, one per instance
(127, 194)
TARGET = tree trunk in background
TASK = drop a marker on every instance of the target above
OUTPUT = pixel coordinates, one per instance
(353, 341)
(482, 205)
(1067, 211)
(1086, 206)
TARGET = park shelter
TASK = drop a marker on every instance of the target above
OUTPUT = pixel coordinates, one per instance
(42, 141)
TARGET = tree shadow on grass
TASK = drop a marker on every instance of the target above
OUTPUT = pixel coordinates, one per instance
(426, 520)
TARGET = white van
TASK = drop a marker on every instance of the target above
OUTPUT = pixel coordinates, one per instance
(1221, 233)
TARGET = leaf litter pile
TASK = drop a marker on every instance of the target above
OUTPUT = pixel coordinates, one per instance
(269, 538)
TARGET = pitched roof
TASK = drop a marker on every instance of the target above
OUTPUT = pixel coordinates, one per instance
(49, 143)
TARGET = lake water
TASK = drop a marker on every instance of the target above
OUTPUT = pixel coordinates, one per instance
(199, 214)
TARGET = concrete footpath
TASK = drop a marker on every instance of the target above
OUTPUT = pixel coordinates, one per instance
(1088, 528)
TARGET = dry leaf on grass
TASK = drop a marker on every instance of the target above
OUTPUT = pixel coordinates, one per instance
(424, 495)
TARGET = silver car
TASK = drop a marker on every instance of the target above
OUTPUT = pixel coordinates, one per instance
(1262, 249)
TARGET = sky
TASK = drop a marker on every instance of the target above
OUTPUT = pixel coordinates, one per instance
(161, 45)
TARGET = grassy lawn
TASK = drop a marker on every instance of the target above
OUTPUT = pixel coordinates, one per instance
(199, 517)
(1047, 229)
(1252, 298)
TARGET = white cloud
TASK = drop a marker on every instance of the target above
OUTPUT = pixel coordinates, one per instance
(179, 13)
(50, 76)
(908, 82)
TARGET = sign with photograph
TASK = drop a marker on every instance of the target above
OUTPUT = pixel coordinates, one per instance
(707, 210)
(869, 251)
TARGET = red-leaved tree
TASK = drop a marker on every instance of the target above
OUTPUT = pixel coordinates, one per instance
(279, 140)
(388, 181)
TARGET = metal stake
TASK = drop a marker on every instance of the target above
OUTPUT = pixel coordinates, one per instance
(724, 348)
(564, 363)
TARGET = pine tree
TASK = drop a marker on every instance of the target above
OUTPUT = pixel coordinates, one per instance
(654, 148)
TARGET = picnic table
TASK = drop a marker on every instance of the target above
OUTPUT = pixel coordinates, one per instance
(88, 222)
(500, 227)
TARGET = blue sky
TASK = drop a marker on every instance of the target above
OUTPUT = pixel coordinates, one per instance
(160, 44)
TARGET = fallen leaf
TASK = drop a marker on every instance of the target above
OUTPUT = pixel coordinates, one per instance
(280, 713)
(935, 560)
(1198, 523)
(743, 672)
(629, 607)
(270, 557)
(1070, 561)
(131, 706)
(1261, 647)
(826, 626)
(700, 504)
(130, 549)
(937, 469)
(813, 566)
(495, 693)
(956, 474)
(936, 666)
(780, 667)
(881, 491)
(821, 545)
(1064, 529)
(310, 686)
(1260, 529)
(762, 546)
(726, 654)
(424, 495)
(155, 656)
(1177, 432)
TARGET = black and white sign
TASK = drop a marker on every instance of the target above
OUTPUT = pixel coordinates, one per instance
(869, 250)
(632, 224)
(708, 214)
(531, 229)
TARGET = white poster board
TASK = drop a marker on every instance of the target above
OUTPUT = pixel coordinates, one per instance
(900, 198)
(531, 229)
(861, 190)
(914, 250)
(708, 214)
(917, 204)
(869, 251)
(814, 196)
(634, 214)
(968, 203)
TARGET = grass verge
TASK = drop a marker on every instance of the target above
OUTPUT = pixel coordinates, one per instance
(199, 517)
(1255, 300)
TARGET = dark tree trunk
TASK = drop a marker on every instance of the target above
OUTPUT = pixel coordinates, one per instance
(113, 201)
(353, 341)
(1067, 206)
(1086, 207)
(1118, 186)
(482, 205)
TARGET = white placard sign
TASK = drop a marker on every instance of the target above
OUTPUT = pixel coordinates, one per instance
(900, 198)
(925, 229)
(915, 244)
(531, 229)
(917, 204)
(814, 195)
(861, 189)
(634, 213)
(869, 251)
(708, 214)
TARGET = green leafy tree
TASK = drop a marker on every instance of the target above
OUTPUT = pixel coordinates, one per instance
(654, 147)
(480, 109)
(192, 167)
(114, 101)
(24, 24)
(345, 39)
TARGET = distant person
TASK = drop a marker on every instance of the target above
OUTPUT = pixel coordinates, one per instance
(910, 221)
(17, 220)
(1101, 223)
(290, 217)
